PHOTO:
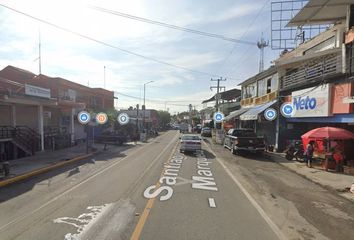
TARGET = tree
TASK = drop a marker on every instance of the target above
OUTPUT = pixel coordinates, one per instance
(164, 118)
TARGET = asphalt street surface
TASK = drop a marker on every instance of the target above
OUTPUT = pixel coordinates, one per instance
(152, 191)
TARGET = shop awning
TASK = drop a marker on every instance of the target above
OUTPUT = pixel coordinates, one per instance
(252, 113)
(235, 113)
(338, 118)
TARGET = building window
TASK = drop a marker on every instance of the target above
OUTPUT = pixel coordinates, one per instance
(250, 91)
(262, 87)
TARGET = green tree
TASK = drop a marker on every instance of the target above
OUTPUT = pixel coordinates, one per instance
(164, 118)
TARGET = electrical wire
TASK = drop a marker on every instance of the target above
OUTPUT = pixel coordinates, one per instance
(107, 44)
(149, 21)
(243, 35)
(160, 101)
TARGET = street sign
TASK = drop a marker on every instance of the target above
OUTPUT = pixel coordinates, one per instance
(219, 117)
(123, 118)
(101, 118)
(287, 110)
(270, 114)
(83, 117)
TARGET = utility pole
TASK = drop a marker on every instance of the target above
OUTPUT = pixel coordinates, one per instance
(218, 87)
(104, 77)
(39, 53)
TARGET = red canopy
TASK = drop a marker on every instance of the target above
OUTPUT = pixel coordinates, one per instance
(330, 133)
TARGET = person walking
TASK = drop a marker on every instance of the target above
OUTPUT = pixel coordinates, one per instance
(309, 153)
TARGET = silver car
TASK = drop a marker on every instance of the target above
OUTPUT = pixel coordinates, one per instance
(190, 143)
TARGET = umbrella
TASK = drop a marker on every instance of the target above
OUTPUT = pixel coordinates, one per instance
(331, 133)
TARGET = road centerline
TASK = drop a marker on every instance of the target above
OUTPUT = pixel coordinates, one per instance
(149, 205)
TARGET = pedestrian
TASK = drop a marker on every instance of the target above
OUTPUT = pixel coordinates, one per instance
(309, 153)
(338, 157)
(136, 137)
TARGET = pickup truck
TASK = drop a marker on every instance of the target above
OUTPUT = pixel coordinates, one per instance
(244, 140)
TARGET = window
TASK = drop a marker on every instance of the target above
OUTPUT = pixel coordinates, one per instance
(250, 91)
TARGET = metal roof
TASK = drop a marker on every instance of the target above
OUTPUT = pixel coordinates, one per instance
(227, 95)
(321, 12)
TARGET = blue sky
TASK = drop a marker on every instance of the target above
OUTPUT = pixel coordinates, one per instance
(82, 61)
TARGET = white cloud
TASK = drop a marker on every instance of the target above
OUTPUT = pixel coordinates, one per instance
(81, 60)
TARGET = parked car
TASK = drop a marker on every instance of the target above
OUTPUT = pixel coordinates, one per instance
(244, 140)
(190, 143)
(206, 132)
(197, 128)
(111, 138)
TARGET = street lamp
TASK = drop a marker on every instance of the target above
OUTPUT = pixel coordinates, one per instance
(144, 102)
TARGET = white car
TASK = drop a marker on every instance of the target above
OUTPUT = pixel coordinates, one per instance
(190, 143)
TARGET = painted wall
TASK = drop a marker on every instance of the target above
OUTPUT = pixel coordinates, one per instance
(339, 92)
(5, 115)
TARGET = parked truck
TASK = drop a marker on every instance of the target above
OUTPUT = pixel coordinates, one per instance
(244, 141)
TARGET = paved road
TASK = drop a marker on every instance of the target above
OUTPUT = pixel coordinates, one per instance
(152, 191)
(104, 199)
(300, 208)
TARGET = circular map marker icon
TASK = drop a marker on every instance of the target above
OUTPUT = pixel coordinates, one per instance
(83, 117)
(270, 114)
(123, 118)
(218, 117)
(101, 118)
(287, 110)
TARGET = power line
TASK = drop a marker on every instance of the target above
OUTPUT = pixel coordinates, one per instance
(125, 15)
(159, 101)
(106, 44)
(243, 35)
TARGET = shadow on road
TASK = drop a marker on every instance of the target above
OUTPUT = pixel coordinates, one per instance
(208, 154)
(21, 187)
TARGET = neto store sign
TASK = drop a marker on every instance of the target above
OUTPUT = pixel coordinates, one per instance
(311, 102)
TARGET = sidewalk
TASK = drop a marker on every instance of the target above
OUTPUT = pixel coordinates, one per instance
(26, 167)
(338, 182)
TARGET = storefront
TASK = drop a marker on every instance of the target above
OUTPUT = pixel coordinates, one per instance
(320, 106)
(263, 125)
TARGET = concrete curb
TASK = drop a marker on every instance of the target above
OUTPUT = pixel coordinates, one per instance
(42, 170)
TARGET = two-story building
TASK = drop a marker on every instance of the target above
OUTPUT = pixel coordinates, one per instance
(316, 78)
(42, 109)
(259, 94)
(228, 101)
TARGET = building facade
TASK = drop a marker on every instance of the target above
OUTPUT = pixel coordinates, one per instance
(316, 78)
(44, 110)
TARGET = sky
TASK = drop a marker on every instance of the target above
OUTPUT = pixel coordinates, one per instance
(111, 55)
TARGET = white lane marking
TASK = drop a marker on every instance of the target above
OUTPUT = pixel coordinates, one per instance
(271, 224)
(83, 222)
(79, 184)
(212, 202)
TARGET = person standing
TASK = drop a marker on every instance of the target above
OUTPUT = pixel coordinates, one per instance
(309, 153)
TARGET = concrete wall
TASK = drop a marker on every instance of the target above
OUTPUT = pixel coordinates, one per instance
(27, 116)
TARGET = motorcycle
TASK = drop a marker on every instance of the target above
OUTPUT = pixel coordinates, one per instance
(296, 152)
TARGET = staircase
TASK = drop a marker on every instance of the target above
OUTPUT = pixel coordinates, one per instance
(23, 137)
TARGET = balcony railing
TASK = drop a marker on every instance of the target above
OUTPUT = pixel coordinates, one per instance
(259, 100)
(247, 101)
(313, 70)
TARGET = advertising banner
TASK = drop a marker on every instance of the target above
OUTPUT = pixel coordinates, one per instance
(312, 102)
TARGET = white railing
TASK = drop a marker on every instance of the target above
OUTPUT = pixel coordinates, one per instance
(313, 69)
